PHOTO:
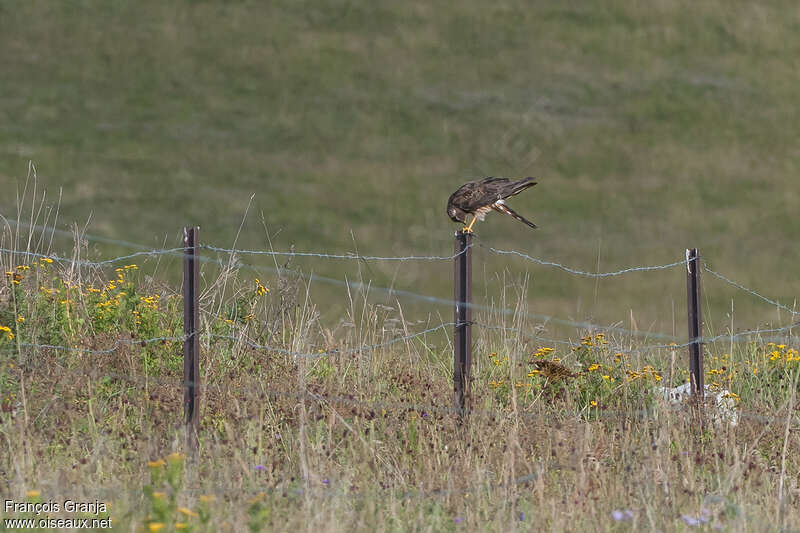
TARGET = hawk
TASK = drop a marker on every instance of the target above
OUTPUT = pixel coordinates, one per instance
(477, 198)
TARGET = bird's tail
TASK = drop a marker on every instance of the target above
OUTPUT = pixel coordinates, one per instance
(519, 186)
(508, 211)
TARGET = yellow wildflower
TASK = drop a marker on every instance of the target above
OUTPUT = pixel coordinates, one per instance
(260, 289)
(175, 456)
(257, 498)
(8, 332)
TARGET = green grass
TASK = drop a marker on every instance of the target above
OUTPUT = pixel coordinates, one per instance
(651, 129)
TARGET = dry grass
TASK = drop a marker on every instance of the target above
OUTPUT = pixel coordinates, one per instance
(366, 439)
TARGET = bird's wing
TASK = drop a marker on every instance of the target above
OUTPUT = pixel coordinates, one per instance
(475, 194)
(516, 187)
(471, 196)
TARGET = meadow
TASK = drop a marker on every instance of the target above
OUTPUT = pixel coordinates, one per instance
(651, 128)
(342, 128)
(308, 427)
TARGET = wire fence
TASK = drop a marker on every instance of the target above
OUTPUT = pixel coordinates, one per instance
(376, 405)
(749, 291)
(674, 344)
(583, 273)
(318, 255)
(366, 348)
(394, 292)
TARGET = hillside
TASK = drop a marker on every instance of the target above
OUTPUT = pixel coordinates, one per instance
(651, 128)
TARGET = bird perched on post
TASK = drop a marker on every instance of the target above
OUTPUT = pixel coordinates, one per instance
(477, 198)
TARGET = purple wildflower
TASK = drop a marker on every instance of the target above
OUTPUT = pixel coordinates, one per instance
(260, 468)
(690, 520)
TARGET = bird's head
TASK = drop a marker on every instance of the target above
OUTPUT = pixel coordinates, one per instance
(456, 214)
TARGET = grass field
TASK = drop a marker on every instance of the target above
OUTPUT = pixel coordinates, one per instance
(651, 127)
(563, 436)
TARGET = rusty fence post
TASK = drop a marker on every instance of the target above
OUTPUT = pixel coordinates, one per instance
(462, 339)
(191, 340)
(695, 323)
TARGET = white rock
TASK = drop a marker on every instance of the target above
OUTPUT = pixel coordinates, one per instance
(725, 405)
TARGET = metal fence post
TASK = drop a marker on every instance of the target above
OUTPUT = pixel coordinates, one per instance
(462, 339)
(695, 323)
(191, 341)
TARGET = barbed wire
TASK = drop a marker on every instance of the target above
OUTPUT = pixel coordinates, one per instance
(349, 256)
(736, 337)
(98, 264)
(361, 286)
(322, 255)
(750, 291)
(179, 251)
(327, 353)
(86, 236)
(90, 351)
(577, 272)
(589, 326)
(497, 251)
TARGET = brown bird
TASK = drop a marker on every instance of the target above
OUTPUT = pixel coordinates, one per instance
(477, 198)
(553, 371)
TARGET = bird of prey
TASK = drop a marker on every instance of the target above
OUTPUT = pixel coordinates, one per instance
(477, 198)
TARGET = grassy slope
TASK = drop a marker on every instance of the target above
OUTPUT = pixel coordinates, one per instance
(651, 127)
